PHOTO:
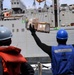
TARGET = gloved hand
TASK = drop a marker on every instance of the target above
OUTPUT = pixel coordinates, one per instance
(32, 29)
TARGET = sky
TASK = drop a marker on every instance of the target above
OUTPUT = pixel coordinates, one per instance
(29, 3)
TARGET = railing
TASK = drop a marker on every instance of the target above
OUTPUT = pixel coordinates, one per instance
(42, 69)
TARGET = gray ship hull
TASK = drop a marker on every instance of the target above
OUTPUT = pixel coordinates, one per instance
(23, 39)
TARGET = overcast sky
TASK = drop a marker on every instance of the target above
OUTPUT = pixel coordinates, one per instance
(29, 3)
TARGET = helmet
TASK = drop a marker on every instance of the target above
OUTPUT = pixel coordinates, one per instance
(62, 34)
(5, 33)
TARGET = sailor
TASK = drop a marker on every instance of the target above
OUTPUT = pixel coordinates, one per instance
(11, 61)
(62, 56)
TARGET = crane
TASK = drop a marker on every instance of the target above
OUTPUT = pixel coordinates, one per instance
(55, 6)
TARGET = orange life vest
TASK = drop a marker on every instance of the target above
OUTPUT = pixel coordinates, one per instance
(11, 59)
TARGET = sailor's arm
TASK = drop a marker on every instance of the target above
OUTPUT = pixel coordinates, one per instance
(43, 46)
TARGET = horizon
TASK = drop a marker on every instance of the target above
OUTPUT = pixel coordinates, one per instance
(29, 4)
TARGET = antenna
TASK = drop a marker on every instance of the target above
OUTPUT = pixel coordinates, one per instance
(45, 4)
(55, 12)
(34, 4)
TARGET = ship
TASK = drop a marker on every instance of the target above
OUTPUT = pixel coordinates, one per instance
(47, 19)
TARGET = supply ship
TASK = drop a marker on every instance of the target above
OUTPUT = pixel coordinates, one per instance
(47, 20)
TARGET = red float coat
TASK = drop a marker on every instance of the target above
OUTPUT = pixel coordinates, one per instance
(9, 56)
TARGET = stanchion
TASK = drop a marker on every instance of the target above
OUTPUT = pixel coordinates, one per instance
(39, 68)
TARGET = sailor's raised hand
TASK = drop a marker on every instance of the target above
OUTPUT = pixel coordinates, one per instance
(32, 29)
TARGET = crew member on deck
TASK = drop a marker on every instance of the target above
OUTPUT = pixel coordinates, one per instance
(62, 56)
(11, 60)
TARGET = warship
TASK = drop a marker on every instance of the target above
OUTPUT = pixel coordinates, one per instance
(47, 20)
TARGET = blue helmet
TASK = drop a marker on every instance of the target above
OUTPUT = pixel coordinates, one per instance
(62, 34)
(5, 33)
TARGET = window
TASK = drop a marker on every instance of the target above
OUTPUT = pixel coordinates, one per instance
(51, 20)
(17, 2)
(31, 12)
(1, 25)
(12, 30)
(45, 15)
(23, 30)
(12, 25)
(17, 30)
(62, 14)
(14, 2)
(23, 11)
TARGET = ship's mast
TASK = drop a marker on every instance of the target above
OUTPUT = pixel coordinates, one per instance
(1, 9)
(55, 4)
(55, 8)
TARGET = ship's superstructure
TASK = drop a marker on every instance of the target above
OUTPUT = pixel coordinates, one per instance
(17, 17)
(65, 13)
(17, 7)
